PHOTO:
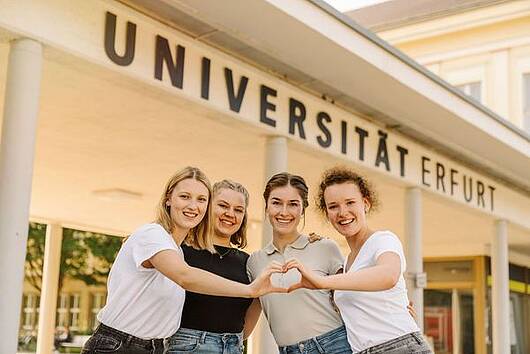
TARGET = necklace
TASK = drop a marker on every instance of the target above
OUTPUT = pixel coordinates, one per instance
(221, 255)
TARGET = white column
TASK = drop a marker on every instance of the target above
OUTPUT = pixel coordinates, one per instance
(500, 289)
(457, 322)
(275, 162)
(413, 249)
(50, 286)
(17, 150)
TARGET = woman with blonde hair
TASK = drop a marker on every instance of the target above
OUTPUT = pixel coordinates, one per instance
(214, 324)
(147, 282)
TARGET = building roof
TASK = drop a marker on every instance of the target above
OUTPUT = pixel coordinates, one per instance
(396, 13)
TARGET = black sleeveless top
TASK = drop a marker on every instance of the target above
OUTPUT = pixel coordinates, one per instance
(216, 314)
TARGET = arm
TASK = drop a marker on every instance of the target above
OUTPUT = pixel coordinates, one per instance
(251, 318)
(382, 276)
(169, 263)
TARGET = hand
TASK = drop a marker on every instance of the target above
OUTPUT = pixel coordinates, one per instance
(309, 279)
(313, 237)
(262, 285)
(412, 311)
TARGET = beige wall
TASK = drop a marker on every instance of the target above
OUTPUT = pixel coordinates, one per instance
(475, 46)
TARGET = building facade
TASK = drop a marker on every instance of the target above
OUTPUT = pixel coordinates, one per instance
(105, 99)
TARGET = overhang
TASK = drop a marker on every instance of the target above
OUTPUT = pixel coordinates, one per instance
(315, 47)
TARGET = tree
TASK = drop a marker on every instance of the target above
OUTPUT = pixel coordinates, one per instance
(85, 256)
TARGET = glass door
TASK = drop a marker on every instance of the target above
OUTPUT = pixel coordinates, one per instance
(449, 320)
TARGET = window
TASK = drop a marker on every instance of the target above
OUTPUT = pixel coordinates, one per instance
(526, 102)
(68, 311)
(97, 301)
(62, 311)
(30, 311)
(473, 89)
(74, 312)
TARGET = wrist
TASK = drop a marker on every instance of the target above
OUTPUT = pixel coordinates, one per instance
(250, 292)
(323, 282)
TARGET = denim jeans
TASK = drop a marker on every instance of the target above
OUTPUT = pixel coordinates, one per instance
(412, 343)
(194, 341)
(332, 342)
(109, 340)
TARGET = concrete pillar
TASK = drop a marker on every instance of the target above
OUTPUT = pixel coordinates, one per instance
(17, 150)
(275, 162)
(50, 285)
(456, 325)
(500, 289)
(416, 280)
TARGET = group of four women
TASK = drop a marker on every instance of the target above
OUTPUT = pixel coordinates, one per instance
(182, 284)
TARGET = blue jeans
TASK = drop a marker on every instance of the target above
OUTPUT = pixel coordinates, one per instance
(194, 341)
(412, 343)
(333, 342)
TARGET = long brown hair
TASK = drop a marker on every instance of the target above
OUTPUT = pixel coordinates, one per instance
(200, 236)
(239, 238)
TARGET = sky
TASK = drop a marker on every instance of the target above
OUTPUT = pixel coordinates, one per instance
(346, 5)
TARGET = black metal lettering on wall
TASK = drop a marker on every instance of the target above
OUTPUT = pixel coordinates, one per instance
(110, 41)
(434, 174)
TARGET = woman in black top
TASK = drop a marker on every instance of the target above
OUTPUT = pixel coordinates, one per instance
(215, 324)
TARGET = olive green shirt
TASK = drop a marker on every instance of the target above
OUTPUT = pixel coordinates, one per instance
(304, 313)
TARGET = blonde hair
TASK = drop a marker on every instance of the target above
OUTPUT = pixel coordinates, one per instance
(239, 238)
(198, 237)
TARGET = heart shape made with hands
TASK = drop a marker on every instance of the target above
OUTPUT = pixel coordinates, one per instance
(287, 279)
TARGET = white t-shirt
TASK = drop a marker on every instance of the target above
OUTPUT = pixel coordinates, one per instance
(375, 317)
(142, 301)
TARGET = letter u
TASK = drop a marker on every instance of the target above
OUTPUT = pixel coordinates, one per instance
(110, 40)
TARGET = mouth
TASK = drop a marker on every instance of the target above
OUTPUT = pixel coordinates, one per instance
(190, 214)
(283, 221)
(346, 221)
(226, 222)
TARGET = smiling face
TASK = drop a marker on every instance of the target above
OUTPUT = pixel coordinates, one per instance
(284, 210)
(188, 203)
(228, 212)
(346, 208)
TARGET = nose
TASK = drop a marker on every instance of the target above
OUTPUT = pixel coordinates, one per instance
(342, 210)
(229, 212)
(194, 204)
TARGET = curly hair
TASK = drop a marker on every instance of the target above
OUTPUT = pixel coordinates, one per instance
(342, 174)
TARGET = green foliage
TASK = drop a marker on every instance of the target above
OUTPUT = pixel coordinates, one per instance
(85, 256)
(35, 254)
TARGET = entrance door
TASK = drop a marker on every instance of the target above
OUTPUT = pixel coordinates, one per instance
(449, 320)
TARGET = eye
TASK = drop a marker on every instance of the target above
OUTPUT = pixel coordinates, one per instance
(332, 207)
(203, 199)
(239, 211)
(293, 204)
(184, 196)
(350, 202)
(275, 202)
